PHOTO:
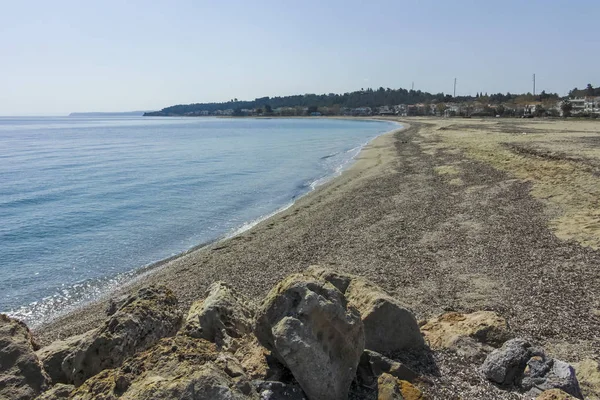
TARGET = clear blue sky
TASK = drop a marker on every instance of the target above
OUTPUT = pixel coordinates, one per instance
(62, 56)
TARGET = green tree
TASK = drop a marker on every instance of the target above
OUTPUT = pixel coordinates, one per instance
(589, 89)
(268, 109)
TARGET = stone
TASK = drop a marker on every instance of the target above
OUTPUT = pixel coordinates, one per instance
(21, 374)
(143, 319)
(53, 355)
(178, 367)
(389, 327)
(554, 394)
(486, 327)
(372, 365)
(57, 392)
(505, 366)
(222, 315)
(542, 373)
(257, 361)
(308, 325)
(339, 280)
(392, 388)
(273, 390)
(588, 375)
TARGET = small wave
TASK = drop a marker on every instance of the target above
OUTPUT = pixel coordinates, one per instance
(330, 155)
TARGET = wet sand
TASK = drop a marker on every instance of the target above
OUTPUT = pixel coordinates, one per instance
(436, 218)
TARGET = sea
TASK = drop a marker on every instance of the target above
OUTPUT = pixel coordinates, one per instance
(88, 203)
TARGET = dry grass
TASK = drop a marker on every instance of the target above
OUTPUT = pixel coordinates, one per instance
(560, 158)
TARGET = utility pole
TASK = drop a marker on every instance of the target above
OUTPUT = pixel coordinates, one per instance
(454, 87)
(534, 84)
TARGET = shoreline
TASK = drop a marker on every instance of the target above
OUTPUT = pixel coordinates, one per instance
(53, 327)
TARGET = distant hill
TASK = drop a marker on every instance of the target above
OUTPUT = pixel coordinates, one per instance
(109, 114)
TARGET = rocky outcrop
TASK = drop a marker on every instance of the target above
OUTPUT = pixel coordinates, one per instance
(222, 315)
(53, 355)
(485, 327)
(520, 365)
(340, 280)
(143, 319)
(59, 391)
(392, 388)
(21, 374)
(178, 367)
(389, 327)
(308, 325)
(372, 365)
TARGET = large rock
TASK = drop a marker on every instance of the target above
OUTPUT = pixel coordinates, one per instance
(392, 388)
(222, 315)
(338, 279)
(143, 319)
(389, 327)
(542, 373)
(21, 372)
(486, 327)
(308, 325)
(177, 367)
(53, 355)
(518, 364)
(372, 365)
(505, 366)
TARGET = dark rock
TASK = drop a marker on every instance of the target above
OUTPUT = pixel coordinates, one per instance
(272, 390)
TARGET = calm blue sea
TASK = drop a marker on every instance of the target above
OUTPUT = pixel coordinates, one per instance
(87, 202)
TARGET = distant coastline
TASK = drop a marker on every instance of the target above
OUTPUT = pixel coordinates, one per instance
(109, 114)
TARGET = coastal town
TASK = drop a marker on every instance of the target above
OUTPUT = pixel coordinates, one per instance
(578, 103)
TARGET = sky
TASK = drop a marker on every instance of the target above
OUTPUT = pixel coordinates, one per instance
(58, 57)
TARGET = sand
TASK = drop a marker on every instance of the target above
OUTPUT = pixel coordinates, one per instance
(448, 214)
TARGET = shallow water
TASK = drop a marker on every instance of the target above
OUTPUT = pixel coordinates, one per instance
(86, 202)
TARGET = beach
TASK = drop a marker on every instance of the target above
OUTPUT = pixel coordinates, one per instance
(442, 215)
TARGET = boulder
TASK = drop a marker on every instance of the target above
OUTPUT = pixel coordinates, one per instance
(554, 394)
(389, 327)
(542, 373)
(53, 355)
(57, 392)
(486, 327)
(177, 367)
(222, 315)
(340, 280)
(308, 325)
(392, 388)
(143, 319)
(21, 372)
(518, 364)
(588, 375)
(505, 365)
(257, 361)
(372, 365)
(273, 390)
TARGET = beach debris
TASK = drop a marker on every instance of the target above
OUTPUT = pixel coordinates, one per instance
(145, 317)
(22, 376)
(274, 390)
(53, 355)
(372, 365)
(389, 327)
(308, 325)
(57, 392)
(391, 388)
(221, 316)
(471, 335)
(178, 367)
(518, 364)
